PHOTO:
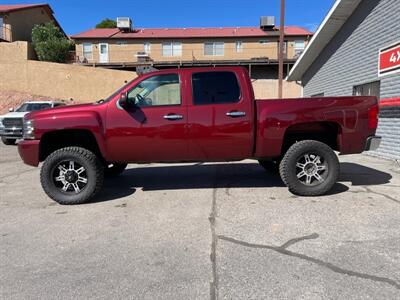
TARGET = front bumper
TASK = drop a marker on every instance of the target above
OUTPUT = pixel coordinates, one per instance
(29, 152)
(13, 132)
(372, 143)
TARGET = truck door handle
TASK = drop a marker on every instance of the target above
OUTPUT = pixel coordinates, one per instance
(236, 114)
(173, 117)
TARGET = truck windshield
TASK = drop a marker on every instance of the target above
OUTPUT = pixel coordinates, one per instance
(32, 107)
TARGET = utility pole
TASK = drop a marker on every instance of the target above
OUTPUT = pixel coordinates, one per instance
(281, 45)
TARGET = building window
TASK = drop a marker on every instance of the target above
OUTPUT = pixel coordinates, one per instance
(122, 43)
(147, 47)
(88, 51)
(172, 49)
(215, 88)
(239, 47)
(299, 47)
(214, 48)
(368, 89)
(263, 42)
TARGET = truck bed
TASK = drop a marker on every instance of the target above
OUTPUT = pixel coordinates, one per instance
(347, 115)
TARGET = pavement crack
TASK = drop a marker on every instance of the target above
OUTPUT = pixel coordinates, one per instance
(368, 190)
(299, 239)
(15, 175)
(282, 250)
(214, 240)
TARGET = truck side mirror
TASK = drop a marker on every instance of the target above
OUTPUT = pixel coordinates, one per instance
(123, 100)
(11, 109)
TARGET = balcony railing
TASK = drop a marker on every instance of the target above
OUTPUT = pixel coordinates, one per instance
(5, 34)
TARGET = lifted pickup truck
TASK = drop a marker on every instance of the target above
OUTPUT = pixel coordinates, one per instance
(196, 115)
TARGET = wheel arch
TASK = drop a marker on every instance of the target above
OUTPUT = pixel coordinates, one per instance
(54, 140)
(329, 133)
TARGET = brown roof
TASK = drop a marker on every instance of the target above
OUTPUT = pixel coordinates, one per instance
(14, 7)
(189, 32)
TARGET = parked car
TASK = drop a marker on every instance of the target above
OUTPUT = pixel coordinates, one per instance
(11, 123)
(196, 115)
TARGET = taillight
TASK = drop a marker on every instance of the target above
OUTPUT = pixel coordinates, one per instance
(373, 114)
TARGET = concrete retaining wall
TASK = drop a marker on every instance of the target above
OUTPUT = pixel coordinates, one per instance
(62, 81)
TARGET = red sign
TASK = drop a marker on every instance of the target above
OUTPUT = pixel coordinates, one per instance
(389, 59)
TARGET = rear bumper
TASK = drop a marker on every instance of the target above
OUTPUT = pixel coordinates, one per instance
(29, 152)
(372, 143)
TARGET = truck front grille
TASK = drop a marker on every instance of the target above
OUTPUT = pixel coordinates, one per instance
(12, 122)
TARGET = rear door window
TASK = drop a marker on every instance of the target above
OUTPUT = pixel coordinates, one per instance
(215, 88)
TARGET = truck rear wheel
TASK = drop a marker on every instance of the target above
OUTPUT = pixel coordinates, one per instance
(72, 175)
(7, 141)
(309, 168)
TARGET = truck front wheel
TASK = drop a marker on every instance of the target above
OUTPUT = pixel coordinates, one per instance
(309, 168)
(7, 141)
(72, 175)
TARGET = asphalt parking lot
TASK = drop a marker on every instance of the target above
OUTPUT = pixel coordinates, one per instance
(201, 231)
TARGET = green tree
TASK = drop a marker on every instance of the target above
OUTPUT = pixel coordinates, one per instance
(50, 43)
(107, 23)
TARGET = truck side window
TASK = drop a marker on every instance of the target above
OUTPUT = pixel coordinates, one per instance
(215, 88)
(157, 90)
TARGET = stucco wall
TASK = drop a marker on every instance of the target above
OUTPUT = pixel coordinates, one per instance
(17, 51)
(351, 58)
(60, 81)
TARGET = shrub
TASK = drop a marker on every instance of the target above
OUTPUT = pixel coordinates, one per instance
(50, 43)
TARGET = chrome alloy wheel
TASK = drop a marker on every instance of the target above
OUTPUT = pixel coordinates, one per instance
(70, 177)
(311, 169)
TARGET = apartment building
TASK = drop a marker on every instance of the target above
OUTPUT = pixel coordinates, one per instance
(17, 21)
(175, 47)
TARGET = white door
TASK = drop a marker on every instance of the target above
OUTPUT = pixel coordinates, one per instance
(103, 52)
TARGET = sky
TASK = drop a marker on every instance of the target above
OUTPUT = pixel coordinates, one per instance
(76, 16)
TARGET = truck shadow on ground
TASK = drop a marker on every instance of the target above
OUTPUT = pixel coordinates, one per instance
(220, 175)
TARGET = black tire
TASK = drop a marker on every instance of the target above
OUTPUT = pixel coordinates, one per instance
(7, 141)
(93, 171)
(112, 170)
(271, 166)
(292, 166)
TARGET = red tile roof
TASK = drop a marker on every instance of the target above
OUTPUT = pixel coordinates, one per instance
(15, 7)
(188, 32)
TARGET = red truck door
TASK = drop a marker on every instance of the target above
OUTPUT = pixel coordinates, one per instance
(154, 128)
(220, 115)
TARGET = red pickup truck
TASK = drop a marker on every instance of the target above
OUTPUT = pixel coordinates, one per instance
(196, 115)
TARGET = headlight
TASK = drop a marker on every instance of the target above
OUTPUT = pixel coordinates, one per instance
(1, 122)
(28, 133)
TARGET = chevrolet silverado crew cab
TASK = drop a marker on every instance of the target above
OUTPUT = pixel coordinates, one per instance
(11, 123)
(196, 115)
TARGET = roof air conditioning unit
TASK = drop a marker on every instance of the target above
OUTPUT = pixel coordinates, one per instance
(267, 23)
(124, 23)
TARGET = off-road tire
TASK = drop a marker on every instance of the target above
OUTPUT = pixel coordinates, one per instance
(94, 169)
(7, 141)
(271, 166)
(114, 169)
(287, 168)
